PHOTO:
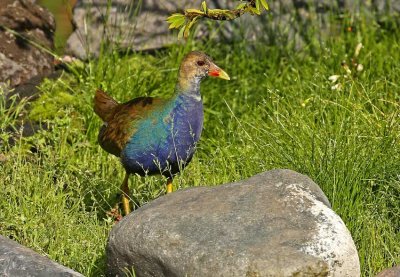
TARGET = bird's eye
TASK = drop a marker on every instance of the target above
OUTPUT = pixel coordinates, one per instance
(200, 63)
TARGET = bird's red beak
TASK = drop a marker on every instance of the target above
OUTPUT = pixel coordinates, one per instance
(215, 71)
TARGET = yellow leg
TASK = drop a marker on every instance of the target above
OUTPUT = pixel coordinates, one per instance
(125, 195)
(169, 185)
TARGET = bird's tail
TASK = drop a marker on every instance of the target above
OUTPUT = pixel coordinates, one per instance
(104, 105)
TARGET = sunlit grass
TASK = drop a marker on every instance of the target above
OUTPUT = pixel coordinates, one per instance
(278, 111)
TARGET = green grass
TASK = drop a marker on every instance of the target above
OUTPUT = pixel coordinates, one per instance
(278, 111)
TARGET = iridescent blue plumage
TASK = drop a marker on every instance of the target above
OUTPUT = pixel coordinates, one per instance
(165, 142)
(156, 136)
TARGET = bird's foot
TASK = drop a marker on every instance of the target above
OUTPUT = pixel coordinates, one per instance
(125, 195)
(169, 186)
(114, 214)
(125, 204)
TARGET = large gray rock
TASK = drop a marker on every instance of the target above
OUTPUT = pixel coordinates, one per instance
(144, 27)
(278, 223)
(390, 272)
(19, 59)
(17, 260)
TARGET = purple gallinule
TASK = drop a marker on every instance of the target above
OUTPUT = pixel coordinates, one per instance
(154, 135)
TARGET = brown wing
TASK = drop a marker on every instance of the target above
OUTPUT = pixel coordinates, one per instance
(104, 105)
(118, 130)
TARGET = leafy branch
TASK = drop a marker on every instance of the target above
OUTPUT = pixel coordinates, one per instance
(185, 21)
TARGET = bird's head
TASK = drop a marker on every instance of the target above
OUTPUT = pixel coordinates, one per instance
(197, 65)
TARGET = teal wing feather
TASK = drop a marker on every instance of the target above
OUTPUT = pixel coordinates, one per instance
(125, 121)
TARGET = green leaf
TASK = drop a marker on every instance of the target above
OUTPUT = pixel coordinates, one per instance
(264, 4)
(204, 6)
(171, 18)
(240, 6)
(176, 21)
(258, 6)
(188, 27)
(254, 11)
(195, 11)
(193, 21)
(180, 34)
(187, 31)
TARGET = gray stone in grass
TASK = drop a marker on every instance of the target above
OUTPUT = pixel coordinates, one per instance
(3, 158)
(390, 272)
(278, 223)
(17, 260)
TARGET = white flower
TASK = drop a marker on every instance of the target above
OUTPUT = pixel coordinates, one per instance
(334, 78)
(358, 49)
(337, 87)
(347, 69)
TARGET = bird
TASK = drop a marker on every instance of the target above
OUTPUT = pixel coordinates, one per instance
(153, 135)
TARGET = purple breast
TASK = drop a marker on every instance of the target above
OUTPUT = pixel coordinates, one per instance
(167, 153)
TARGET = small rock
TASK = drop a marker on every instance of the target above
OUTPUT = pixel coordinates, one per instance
(19, 59)
(17, 260)
(3, 158)
(278, 223)
(390, 272)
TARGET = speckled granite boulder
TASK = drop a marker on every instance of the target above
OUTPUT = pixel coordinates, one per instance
(17, 260)
(278, 223)
(20, 60)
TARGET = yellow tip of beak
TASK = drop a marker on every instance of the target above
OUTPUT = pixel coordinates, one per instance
(223, 75)
(217, 72)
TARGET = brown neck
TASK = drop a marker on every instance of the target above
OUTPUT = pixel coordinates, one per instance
(188, 84)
